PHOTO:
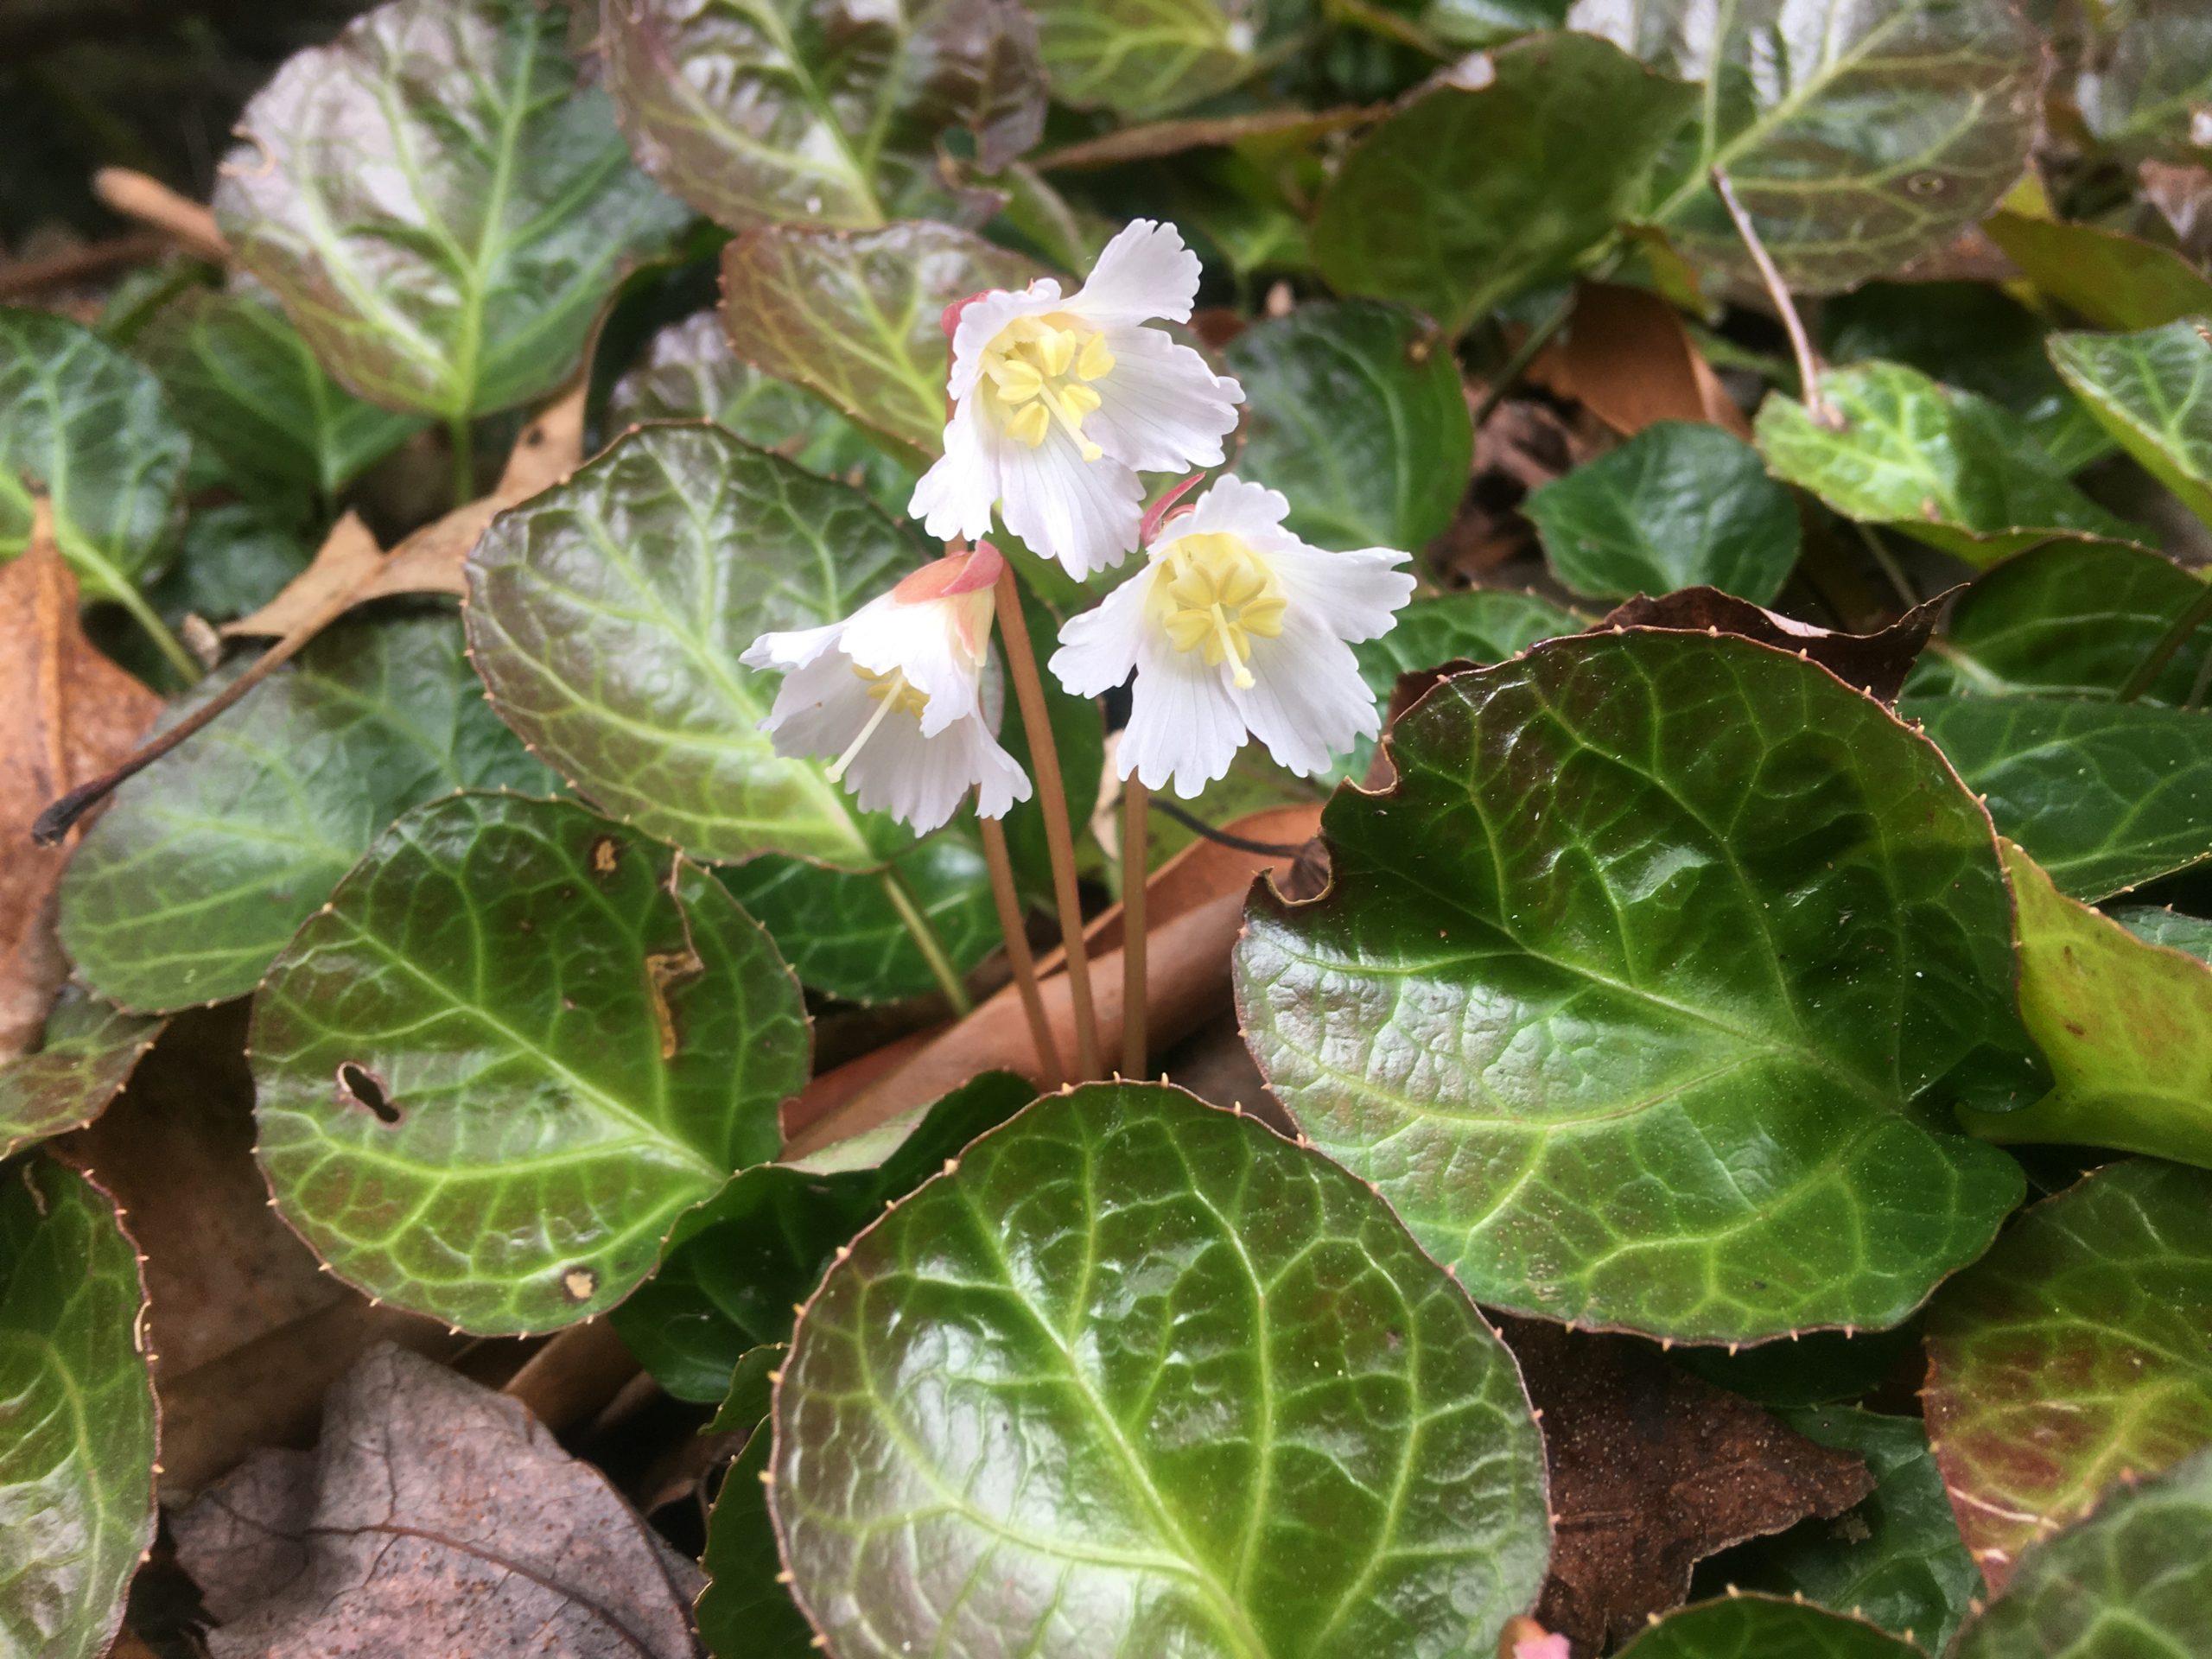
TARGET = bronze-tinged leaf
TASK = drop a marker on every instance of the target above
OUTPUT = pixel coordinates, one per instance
(1876, 663)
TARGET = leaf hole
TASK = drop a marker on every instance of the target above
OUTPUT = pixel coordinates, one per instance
(579, 1284)
(365, 1089)
(606, 852)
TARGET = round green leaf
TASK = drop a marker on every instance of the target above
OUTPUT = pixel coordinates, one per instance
(2021, 695)
(2081, 1347)
(189, 885)
(733, 1267)
(85, 1055)
(1645, 993)
(1474, 192)
(515, 1045)
(856, 318)
(78, 1427)
(1141, 58)
(744, 1613)
(1858, 136)
(440, 203)
(756, 113)
(2134, 1579)
(2127, 1026)
(1895, 1559)
(689, 373)
(1760, 1627)
(1945, 466)
(607, 616)
(248, 387)
(1142, 1359)
(2152, 391)
(1358, 416)
(87, 428)
(1678, 506)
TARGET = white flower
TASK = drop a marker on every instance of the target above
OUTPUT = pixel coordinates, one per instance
(896, 692)
(1058, 403)
(1236, 626)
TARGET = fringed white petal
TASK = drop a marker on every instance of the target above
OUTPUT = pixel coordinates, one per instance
(886, 637)
(1359, 593)
(794, 648)
(1161, 409)
(918, 780)
(1098, 648)
(1084, 514)
(1306, 701)
(819, 708)
(1145, 271)
(1000, 780)
(1231, 506)
(955, 497)
(1182, 726)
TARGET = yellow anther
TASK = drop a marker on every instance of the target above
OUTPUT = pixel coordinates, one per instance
(1097, 362)
(1212, 593)
(1029, 424)
(1036, 369)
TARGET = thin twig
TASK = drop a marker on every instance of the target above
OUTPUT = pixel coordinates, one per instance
(1887, 562)
(1523, 354)
(1135, 1054)
(1051, 1072)
(1198, 826)
(1809, 366)
(1053, 797)
(916, 921)
(136, 195)
(23, 278)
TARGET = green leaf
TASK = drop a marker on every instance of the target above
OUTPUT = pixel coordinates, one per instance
(1678, 506)
(1943, 466)
(689, 373)
(2134, 1579)
(236, 557)
(1357, 416)
(78, 1432)
(517, 1043)
(2152, 391)
(744, 1613)
(607, 616)
(1645, 995)
(856, 318)
(85, 1055)
(1759, 1627)
(2162, 924)
(2149, 79)
(733, 1267)
(84, 425)
(756, 111)
(1975, 337)
(2115, 281)
(2020, 695)
(1475, 192)
(2127, 1026)
(1141, 1358)
(189, 883)
(440, 203)
(1896, 1559)
(2079, 1348)
(248, 388)
(1858, 137)
(1482, 624)
(1143, 58)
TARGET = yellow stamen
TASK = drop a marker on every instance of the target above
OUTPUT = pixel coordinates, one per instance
(1212, 593)
(1035, 373)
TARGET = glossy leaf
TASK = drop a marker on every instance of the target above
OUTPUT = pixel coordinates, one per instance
(2162, 924)
(757, 112)
(1761, 1627)
(2113, 280)
(517, 1043)
(1357, 416)
(2152, 391)
(85, 1055)
(1143, 58)
(2079, 1348)
(1896, 1559)
(2135, 1578)
(77, 1436)
(607, 616)
(249, 389)
(689, 373)
(1678, 506)
(744, 1613)
(2020, 694)
(1141, 1358)
(1479, 189)
(856, 317)
(439, 202)
(1860, 135)
(236, 557)
(2126, 1025)
(189, 883)
(87, 428)
(1946, 467)
(1645, 994)
(733, 1266)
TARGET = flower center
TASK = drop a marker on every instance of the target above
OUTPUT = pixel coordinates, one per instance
(889, 691)
(1212, 593)
(1037, 371)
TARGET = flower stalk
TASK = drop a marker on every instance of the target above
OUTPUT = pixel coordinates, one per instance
(1051, 1072)
(1136, 1060)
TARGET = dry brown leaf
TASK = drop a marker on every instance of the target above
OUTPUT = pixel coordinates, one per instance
(136, 195)
(1629, 360)
(67, 714)
(435, 1518)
